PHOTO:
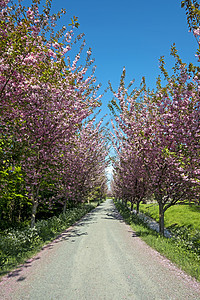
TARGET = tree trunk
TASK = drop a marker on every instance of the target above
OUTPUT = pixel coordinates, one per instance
(161, 218)
(34, 210)
(125, 202)
(137, 208)
(131, 205)
(65, 206)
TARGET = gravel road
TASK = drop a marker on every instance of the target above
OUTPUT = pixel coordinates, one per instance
(99, 258)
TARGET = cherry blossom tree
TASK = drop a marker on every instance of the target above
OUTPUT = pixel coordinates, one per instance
(162, 129)
(44, 100)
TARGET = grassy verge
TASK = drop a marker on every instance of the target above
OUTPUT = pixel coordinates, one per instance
(16, 246)
(181, 214)
(174, 249)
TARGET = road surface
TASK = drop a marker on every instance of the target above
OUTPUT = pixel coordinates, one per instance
(99, 258)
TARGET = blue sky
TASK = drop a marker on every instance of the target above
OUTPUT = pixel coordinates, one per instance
(133, 34)
(130, 33)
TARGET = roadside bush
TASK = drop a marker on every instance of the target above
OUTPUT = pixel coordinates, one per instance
(15, 242)
(186, 237)
(18, 244)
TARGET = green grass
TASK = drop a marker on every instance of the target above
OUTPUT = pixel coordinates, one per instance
(16, 246)
(180, 214)
(175, 250)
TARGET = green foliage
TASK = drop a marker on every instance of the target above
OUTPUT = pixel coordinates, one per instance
(192, 12)
(187, 237)
(15, 242)
(13, 201)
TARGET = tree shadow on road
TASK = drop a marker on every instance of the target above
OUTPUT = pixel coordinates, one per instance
(20, 268)
(70, 234)
(112, 214)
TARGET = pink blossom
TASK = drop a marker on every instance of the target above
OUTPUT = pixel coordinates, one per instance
(30, 14)
(196, 31)
(56, 45)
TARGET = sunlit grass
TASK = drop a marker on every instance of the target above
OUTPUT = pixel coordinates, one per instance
(176, 251)
(180, 214)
